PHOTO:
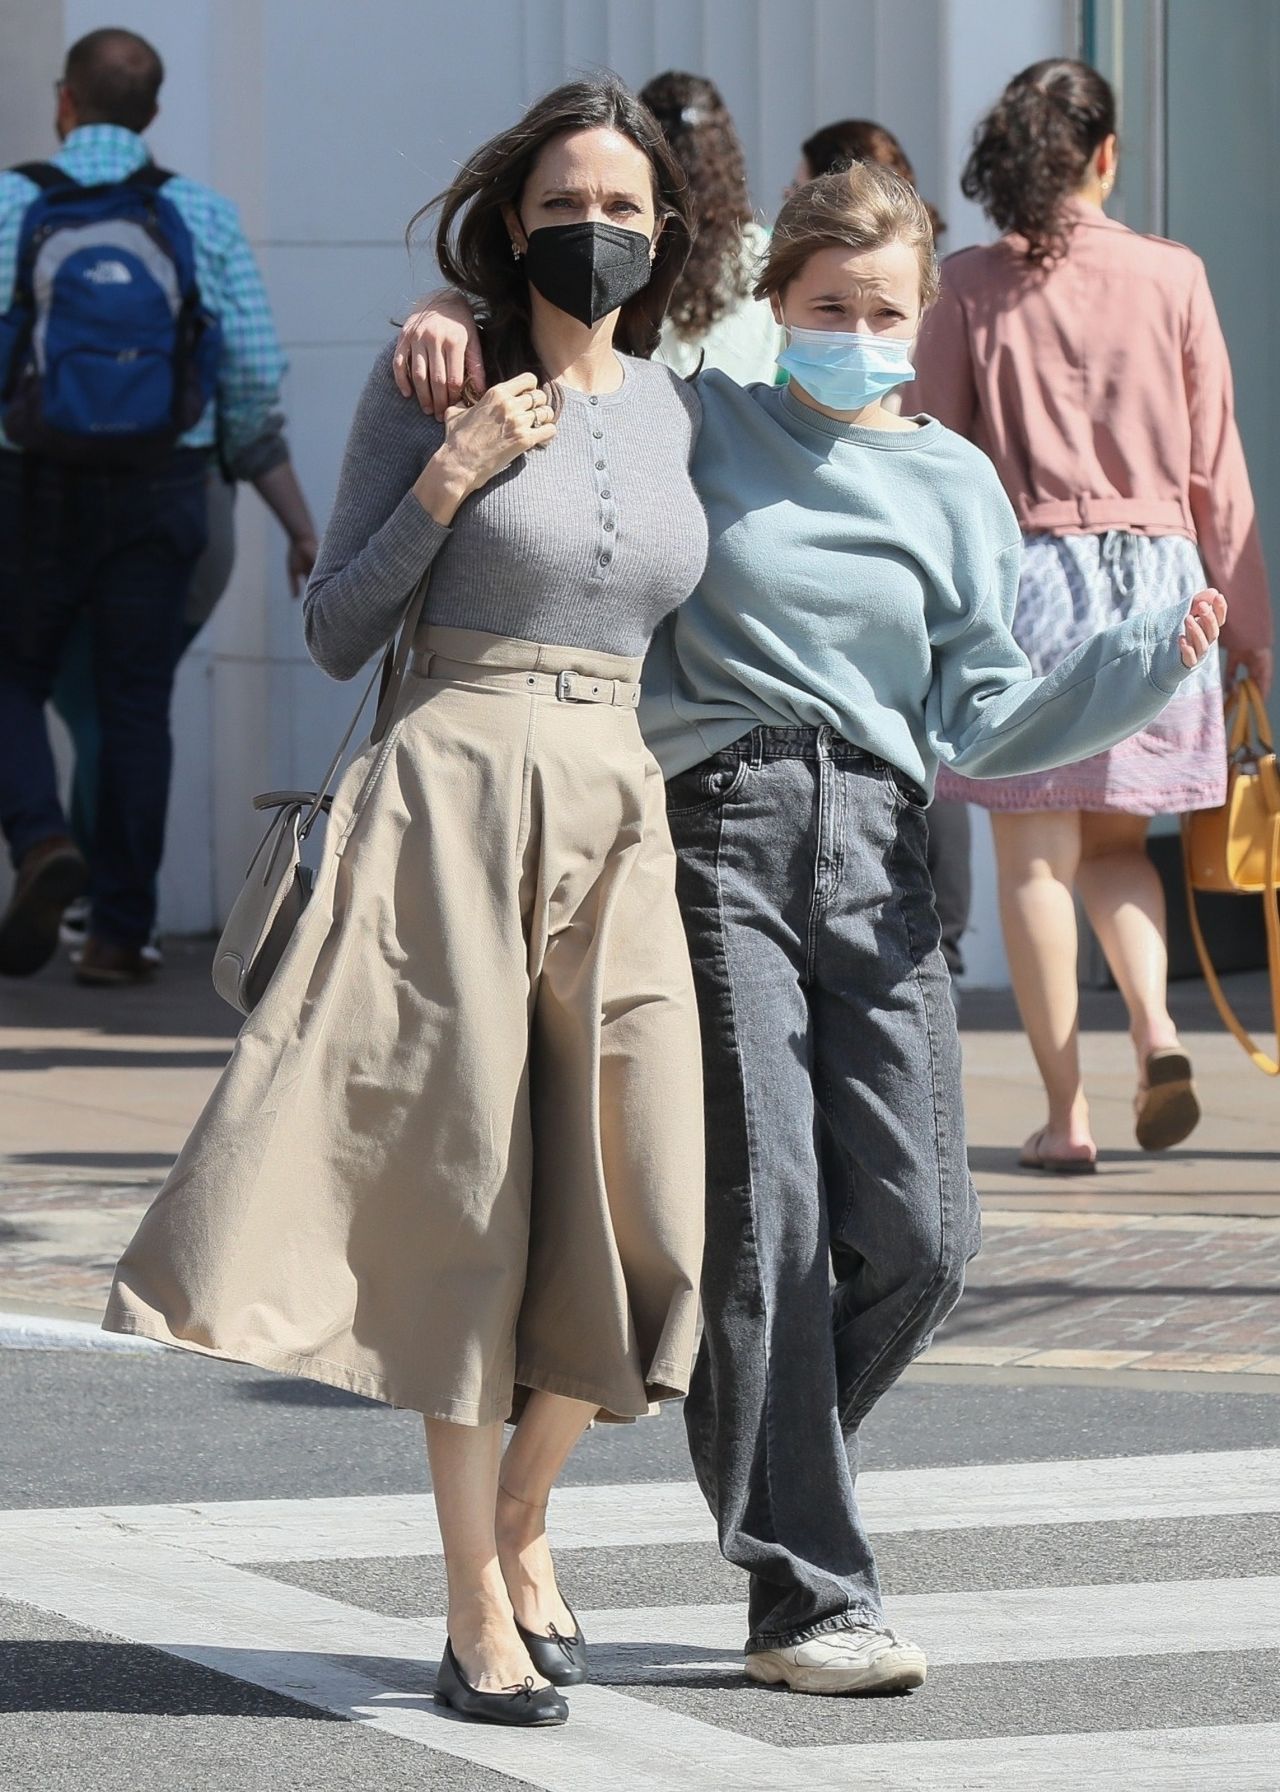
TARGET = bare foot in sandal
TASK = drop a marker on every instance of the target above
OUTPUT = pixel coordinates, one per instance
(1166, 1106)
(1059, 1153)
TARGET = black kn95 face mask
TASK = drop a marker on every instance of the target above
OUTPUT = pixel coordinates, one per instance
(588, 270)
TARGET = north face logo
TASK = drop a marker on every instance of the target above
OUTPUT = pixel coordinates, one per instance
(109, 273)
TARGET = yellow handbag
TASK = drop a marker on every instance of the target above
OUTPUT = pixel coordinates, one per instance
(1236, 849)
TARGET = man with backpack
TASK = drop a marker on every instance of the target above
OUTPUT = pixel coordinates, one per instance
(135, 334)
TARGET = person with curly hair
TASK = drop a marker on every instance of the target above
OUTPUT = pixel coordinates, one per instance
(713, 317)
(1088, 362)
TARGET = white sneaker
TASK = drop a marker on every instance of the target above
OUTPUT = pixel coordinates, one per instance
(73, 929)
(843, 1661)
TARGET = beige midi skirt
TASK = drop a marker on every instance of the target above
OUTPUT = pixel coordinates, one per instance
(457, 1152)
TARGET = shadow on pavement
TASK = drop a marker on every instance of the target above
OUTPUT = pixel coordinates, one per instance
(1003, 1160)
(126, 1678)
(179, 1003)
(94, 1160)
(289, 1390)
(87, 1057)
(1103, 1010)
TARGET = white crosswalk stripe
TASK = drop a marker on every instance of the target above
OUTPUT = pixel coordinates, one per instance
(183, 1579)
(1212, 1483)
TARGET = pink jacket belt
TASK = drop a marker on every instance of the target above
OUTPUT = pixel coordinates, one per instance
(1089, 516)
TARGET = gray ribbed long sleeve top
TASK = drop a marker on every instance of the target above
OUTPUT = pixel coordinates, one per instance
(588, 542)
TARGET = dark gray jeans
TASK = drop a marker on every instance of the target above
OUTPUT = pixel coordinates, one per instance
(840, 1212)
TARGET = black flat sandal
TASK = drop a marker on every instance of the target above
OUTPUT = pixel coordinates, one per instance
(560, 1659)
(516, 1706)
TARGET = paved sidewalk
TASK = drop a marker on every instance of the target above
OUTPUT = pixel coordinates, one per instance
(1156, 1264)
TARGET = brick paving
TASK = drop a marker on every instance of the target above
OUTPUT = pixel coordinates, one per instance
(60, 1236)
(1157, 1263)
(1206, 1287)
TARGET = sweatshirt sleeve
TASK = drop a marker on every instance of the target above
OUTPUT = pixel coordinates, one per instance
(380, 539)
(986, 714)
(1221, 498)
(944, 385)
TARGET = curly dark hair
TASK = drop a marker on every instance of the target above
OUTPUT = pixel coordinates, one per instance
(700, 131)
(1033, 149)
(839, 146)
(473, 246)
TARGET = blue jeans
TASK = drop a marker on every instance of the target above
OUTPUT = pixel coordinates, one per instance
(119, 548)
(840, 1211)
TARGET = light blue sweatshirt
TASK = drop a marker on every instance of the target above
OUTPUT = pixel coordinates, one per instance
(865, 579)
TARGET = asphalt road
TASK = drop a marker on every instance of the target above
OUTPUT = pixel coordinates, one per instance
(88, 1707)
(82, 1428)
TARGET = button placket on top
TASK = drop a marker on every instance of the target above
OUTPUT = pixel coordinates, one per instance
(608, 510)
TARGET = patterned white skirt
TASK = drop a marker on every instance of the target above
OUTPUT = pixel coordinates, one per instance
(1072, 586)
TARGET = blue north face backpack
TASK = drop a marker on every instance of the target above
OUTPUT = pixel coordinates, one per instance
(107, 355)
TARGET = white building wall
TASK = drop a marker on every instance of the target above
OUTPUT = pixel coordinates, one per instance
(330, 123)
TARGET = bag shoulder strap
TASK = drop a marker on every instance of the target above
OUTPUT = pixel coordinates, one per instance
(1271, 915)
(388, 679)
(150, 176)
(45, 175)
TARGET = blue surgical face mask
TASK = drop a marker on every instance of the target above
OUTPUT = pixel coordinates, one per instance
(847, 369)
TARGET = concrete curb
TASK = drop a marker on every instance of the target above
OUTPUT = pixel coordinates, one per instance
(27, 1331)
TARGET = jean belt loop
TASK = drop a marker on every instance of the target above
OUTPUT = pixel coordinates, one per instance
(755, 757)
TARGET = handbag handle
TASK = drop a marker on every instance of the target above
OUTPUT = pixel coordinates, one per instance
(1271, 913)
(1248, 723)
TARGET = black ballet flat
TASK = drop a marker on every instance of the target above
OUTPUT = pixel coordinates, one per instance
(560, 1659)
(518, 1706)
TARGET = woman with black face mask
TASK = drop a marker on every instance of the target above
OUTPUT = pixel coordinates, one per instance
(456, 1160)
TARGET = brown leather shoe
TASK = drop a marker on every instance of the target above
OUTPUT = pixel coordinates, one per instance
(50, 875)
(111, 966)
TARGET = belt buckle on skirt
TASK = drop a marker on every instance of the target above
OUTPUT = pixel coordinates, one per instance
(566, 685)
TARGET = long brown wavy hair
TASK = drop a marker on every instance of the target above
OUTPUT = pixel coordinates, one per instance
(851, 140)
(473, 245)
(700, 131)
(1032, 151)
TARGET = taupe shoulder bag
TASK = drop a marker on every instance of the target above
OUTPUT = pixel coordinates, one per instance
(277, 885)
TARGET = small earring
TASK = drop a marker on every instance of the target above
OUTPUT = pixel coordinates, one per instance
(515, 251)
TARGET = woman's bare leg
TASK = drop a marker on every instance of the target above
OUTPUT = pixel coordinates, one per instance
(464, 1476)
(1124, 900)
(541, 1444)
(1037, 857)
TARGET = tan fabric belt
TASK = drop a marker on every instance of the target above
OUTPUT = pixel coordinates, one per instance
(565, 687)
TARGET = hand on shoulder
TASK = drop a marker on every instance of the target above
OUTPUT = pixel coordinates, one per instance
(438, 354)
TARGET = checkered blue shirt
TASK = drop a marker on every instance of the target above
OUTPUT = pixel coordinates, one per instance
(252, 364)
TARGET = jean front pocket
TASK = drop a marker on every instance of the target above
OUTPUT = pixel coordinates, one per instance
(704, 786)
(907, 794)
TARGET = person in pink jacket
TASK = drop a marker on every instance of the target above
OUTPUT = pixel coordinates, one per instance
(1088, 362)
